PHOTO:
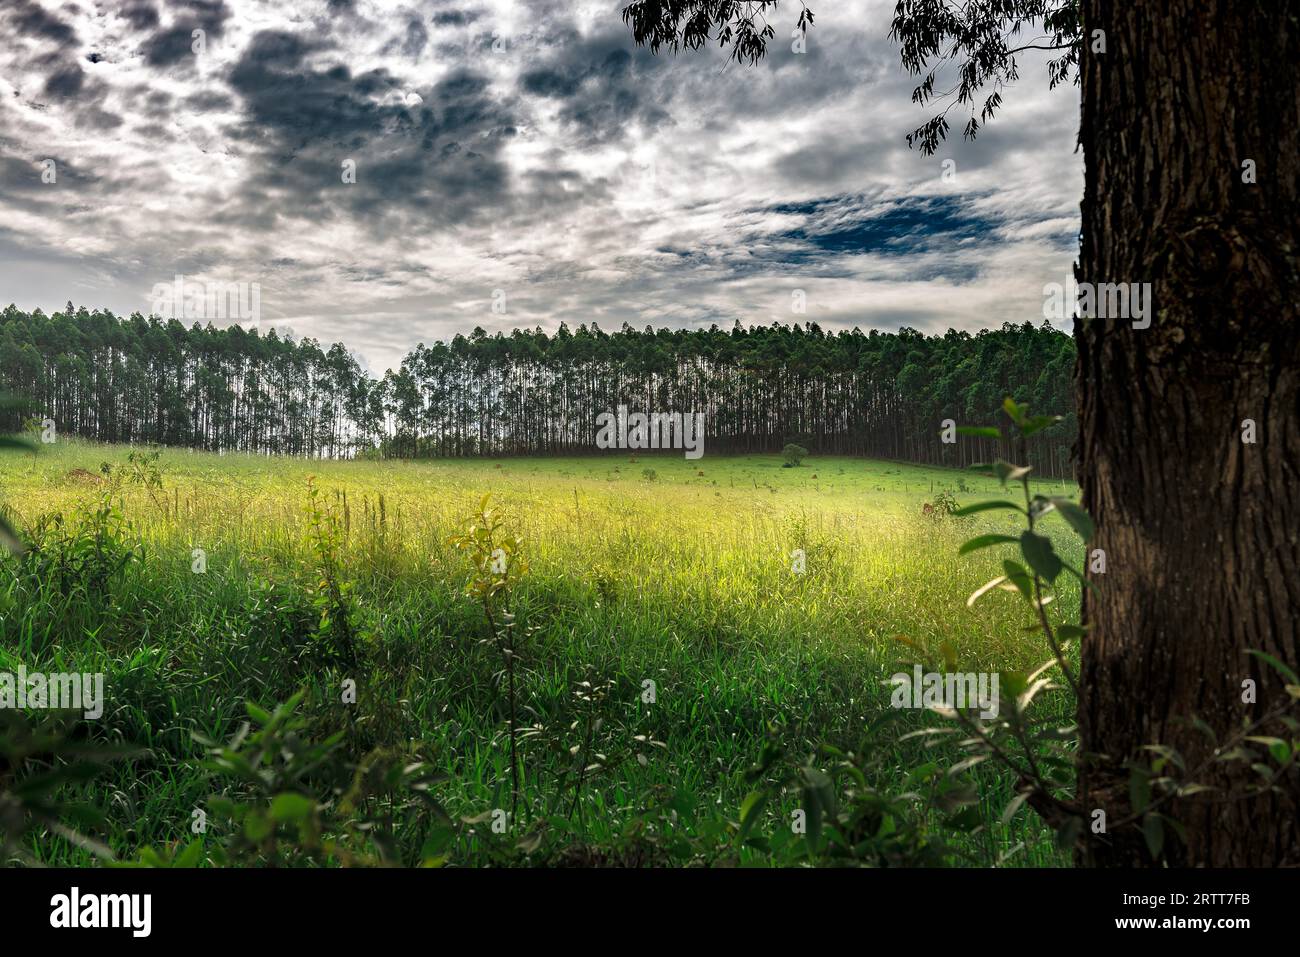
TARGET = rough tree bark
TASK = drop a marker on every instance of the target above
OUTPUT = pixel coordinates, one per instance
(1199, 528)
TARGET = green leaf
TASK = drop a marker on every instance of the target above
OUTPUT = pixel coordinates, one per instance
(1013, 806)
(1036, 423)
(1039, 554)
(1154, 831)
(1139, 790)
(257, 827)
(1077, 517)
(530, 842)
(223, 807)
(1014, 410)
(979, 431)
(984, 541)
(258, 714)
(1017, 575)
(1006, 472)
(1280, 750)
(988, 507)
(1200, 725)
(1014, 683)
(291, 807)
(1068, 833)
(191, 856)
(1276, 665)
(437, 843)
(818, 801)
(965, 820)
(749, 812)
(813, 819)
(151, 858)
(9, 539)
(959, 795)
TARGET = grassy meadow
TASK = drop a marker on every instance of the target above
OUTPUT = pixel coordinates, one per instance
(658, 570)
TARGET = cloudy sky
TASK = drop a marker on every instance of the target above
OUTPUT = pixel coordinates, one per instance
(520, 146)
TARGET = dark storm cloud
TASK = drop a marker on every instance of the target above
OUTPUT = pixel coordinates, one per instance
(30, 19)
(169, 47)
(603, 89)
(66, 81)
(454, 18)
(22, 178)
(296, 107)
(155, 104)
(548, 82)
(846, 161)
(175, 44)
(141, 15)
(416, 37)
(605, 85)
(437, 157)
(206, 101)
(68, 85)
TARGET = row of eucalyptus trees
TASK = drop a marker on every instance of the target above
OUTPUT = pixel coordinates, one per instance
(147, 380)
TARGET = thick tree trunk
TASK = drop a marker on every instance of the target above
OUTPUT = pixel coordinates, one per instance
(1200, 529)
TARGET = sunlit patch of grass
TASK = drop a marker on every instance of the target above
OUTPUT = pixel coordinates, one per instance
(686, 580)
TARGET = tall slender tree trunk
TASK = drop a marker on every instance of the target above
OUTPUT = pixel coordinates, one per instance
(1200, 528)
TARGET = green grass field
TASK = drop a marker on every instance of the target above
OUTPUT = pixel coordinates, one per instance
(657, 570)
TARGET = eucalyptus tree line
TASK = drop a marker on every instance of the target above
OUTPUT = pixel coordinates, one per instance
(531, 393)
(143, 379)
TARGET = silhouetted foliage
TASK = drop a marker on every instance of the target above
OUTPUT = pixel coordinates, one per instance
(979, 39)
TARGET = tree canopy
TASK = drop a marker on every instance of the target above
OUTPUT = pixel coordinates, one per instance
(139, 379)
